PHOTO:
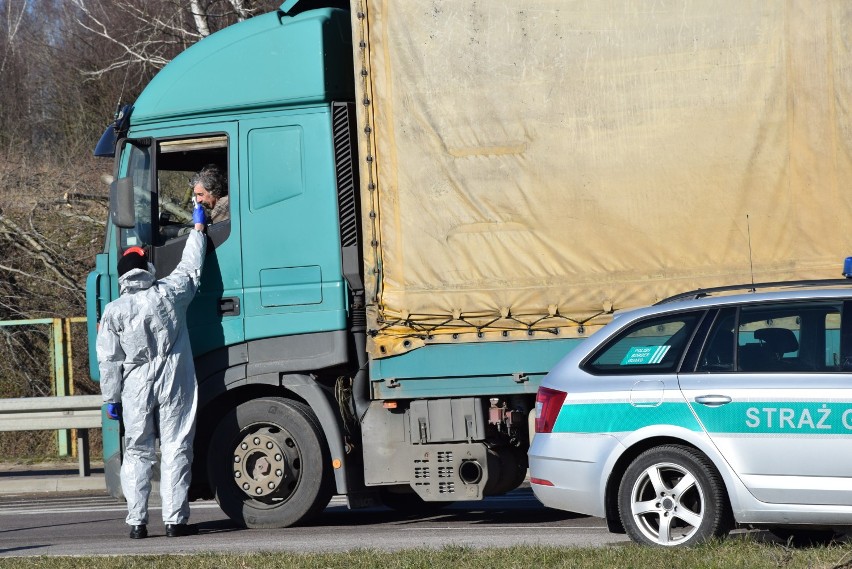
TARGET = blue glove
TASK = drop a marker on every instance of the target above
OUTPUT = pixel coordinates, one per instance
(113, 411)
(198, 214)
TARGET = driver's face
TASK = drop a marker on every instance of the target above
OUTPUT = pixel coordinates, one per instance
(204, 197)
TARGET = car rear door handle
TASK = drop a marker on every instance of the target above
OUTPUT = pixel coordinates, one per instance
(713, 400)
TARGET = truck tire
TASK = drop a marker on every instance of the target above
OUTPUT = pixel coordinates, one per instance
(268, 464)
(673, 496)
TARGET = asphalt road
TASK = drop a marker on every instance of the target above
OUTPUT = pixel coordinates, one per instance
(91, 523)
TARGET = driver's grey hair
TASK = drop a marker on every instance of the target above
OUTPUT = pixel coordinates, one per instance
(212, 179)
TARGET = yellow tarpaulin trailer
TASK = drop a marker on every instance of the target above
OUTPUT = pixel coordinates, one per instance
(541, 164)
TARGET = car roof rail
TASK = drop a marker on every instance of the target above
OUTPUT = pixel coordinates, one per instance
(753, 287)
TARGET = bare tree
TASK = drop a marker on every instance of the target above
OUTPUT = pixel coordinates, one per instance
(64, 65)
(158, 30)
(13, 18)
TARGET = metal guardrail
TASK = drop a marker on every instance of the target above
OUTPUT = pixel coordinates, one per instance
(61, 368)
(81, 412)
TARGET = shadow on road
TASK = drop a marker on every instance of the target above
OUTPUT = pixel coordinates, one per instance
(57, 525)
(21, 548)
(520, 509)
(219, 526)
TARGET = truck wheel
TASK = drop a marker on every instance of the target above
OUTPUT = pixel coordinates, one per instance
(268, 464)
(673, 496)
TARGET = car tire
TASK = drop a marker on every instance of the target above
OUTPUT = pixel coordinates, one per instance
(673, 496)
(268, 464)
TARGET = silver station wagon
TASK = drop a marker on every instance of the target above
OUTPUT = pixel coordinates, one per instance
(711, 410)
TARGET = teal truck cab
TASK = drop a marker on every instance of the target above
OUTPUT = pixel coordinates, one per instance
(431, 205)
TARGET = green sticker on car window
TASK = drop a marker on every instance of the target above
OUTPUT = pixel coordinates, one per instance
(644, 355)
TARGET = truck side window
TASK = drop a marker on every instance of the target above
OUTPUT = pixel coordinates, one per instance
(139, 169)
(177, 161)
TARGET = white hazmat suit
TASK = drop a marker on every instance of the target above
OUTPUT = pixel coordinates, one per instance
(146, 363)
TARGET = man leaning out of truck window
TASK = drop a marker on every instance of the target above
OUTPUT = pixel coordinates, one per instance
(210, 188)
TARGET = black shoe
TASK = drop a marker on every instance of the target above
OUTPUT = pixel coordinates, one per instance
(180, 530)
(138, 532)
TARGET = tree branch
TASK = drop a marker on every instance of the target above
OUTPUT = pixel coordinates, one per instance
(16, 233)
(12, 25)
(199, 17)
(243, 13)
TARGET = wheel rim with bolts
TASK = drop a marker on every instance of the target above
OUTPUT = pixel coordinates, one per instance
(266, 464)
(667, 503)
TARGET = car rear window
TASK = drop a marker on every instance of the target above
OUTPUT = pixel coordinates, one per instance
(655, 345)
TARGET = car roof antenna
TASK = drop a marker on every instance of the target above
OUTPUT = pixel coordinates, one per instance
(750, 262)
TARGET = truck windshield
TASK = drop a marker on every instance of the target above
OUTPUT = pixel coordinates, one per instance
(139, 169)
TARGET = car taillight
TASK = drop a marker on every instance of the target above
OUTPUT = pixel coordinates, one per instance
(548, 402)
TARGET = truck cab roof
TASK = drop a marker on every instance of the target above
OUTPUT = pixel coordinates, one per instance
(267, 61)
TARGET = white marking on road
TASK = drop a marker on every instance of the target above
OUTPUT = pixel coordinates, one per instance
(36, 509)
(455, 528)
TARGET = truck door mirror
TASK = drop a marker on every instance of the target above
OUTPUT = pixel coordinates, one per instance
(121, 210)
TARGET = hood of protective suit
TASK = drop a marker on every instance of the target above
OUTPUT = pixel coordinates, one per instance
(137, 279)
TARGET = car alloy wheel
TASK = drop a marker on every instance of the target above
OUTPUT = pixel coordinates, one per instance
(672, 495)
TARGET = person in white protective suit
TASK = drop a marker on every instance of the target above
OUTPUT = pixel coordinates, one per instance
(148, 379)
